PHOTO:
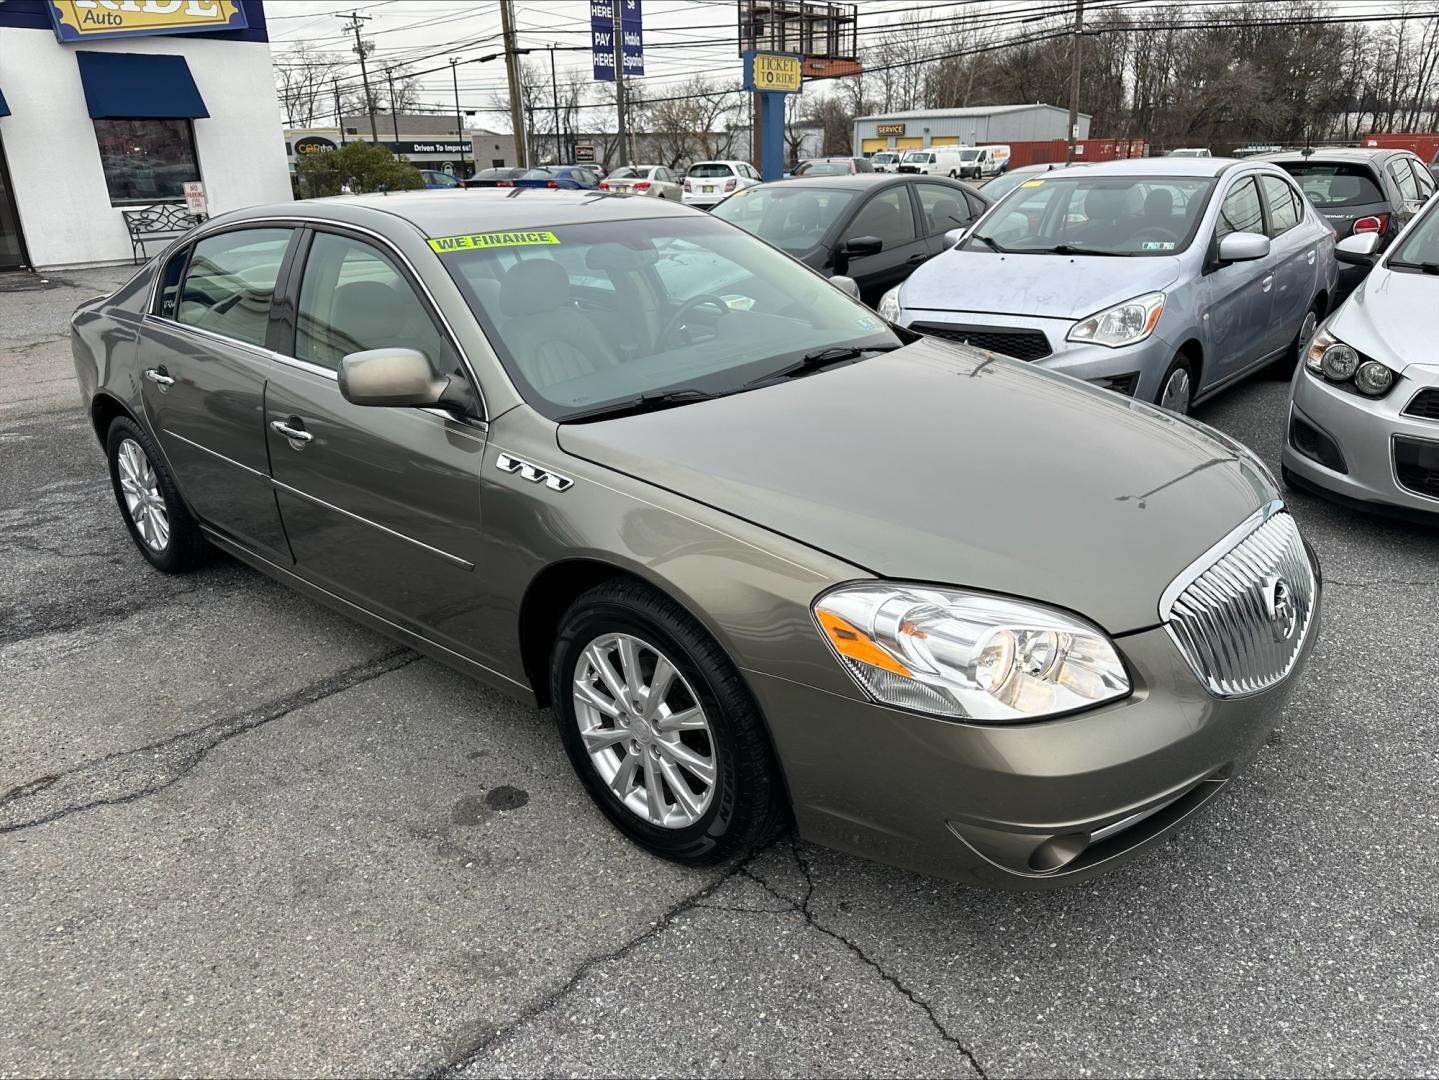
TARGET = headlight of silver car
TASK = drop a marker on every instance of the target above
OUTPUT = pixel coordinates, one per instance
(1124, 324)
(889, 308)
(1341, 363)
(968, 655)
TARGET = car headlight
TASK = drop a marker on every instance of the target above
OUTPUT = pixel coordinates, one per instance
(1124, 324)
(967, 655)
(889, 308)
(1341, 363)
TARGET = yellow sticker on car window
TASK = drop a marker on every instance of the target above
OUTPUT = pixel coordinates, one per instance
(1032, 183)
(472, 241)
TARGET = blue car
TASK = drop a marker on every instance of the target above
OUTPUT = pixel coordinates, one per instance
(569, 177)
(435, 178)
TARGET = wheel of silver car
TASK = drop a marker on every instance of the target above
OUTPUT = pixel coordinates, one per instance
(1176, 391)
(660, 727)
(159, 523)
(1285, 365)
(645, 730)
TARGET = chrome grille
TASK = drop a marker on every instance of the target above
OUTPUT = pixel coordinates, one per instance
(1227, 611)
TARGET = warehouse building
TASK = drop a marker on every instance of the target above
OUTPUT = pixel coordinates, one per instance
(976, 126)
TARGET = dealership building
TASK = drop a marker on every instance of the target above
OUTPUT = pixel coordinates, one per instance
(976, 126)
(113, 105)
(424, 140)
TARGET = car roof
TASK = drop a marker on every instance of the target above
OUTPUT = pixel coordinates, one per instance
(856, 180)
(451, 213)
(1161, 166)
(1338, 153)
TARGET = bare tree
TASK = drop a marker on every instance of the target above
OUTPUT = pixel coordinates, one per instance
(304, 84)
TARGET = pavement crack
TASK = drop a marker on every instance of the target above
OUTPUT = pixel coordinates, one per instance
(802, 906)
(137, 773)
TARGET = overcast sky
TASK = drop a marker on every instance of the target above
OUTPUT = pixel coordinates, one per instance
(682, 37)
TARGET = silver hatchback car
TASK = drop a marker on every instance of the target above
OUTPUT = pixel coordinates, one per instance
(1163, 279)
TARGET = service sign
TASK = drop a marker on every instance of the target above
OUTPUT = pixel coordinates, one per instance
(776, 73)
(85, 20)
(889, 129)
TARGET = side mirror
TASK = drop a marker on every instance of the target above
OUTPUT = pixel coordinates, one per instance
(1357, 250)
(1243, 247)
(395, 377)
(846, 285)
(855, 247)
(952, 237)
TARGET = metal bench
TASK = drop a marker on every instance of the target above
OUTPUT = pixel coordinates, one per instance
(163, 221)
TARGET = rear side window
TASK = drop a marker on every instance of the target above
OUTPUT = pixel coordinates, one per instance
(354, 298)
(1283, 210)
(1332, 186)
(1408, 186)
(170, 283)
(231, 282)
(1422, 178)
(1240, 211)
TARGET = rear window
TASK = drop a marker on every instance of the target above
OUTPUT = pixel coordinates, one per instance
(1333, 185)
(823, 168)
(539, 174)
(710, 170)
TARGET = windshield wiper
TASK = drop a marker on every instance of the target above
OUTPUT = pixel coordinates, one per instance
(834, 354)
(667, 399)
(1070, 249)
(1424, 267)
(990, 244)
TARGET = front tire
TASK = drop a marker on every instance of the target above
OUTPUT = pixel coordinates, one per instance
(660, 728)
(159, 523)
(1176, 389)
(1284, 367)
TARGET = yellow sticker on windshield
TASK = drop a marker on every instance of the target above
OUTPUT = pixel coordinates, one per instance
(1032, 183)
(471, 241)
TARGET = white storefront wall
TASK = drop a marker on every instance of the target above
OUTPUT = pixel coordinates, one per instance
(54, 160)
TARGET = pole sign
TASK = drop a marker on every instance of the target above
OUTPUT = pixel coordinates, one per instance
(773, 73)
(195, 197)
(85, 20)
(604, 36)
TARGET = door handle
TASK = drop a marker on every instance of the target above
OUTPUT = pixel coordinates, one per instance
(298, 434)
(1310, 256)
(915, 260)
(158, 377)
(1267, 282)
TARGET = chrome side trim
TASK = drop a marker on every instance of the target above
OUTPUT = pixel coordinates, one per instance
(455, 559)
(1117, 827)
(210, 335)
(215, 453)
(536, 474)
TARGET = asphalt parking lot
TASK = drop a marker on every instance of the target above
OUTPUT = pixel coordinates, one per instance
(240, 836)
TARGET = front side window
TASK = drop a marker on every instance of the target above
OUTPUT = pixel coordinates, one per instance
(887, 216)
(944, 209)
(147, 160)
(1422, 178)
(354, 298)
(1240, 211)
(696, 305)
(231, 281)
(1419, 250)
(793, 218)
(1283, 210)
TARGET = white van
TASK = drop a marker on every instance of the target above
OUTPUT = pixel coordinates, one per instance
(931, 161)
(983, 161)
(886, 160)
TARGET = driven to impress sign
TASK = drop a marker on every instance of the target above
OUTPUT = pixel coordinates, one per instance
(84, 20)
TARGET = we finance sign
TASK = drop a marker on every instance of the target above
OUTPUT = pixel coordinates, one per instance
(84, 20)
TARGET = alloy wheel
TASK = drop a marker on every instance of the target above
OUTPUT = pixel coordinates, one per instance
(645, 731)
(143, 499)
(1176, 393)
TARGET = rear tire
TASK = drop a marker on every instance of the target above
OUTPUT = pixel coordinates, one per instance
(632, 758)
(1176, 389)
(158, 520)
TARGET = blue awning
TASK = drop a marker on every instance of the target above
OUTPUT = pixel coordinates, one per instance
(4, 109)
(138, 86)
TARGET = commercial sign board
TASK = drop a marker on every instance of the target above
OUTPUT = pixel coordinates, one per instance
(773, 73)
(604, 35)
(431, 146)
(88, 20)
(314, 144)
(889, 129)
(584, 153)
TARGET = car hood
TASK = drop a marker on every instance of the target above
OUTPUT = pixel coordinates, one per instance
(940, 463)
(1046, 286)
(1391, 318)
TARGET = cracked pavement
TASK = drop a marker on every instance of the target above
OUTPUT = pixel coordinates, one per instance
(240, 835)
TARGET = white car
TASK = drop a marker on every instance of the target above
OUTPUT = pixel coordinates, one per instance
(1190, 151)
(707, 182)
(653, 180)
(886, 160)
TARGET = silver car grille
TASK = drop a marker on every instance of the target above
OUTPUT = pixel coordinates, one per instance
(1241, 613)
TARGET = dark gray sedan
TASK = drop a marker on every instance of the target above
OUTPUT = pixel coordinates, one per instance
(766, 556)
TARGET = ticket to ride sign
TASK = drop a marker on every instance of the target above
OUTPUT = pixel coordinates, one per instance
(84, 20)
(773, 73)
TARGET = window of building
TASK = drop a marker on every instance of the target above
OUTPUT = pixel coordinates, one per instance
(147, 161)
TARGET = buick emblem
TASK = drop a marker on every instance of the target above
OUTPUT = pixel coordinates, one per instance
(1279, 606)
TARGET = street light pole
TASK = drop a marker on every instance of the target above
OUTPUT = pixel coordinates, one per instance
(560, 155)
(459, 120)
(339, 114)
(394, 116)
(1076, 55)
(618, 44)
(512, 73)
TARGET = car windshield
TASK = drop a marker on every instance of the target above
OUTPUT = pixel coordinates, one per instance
(1106, 215)
(823, 168)
(1420, 249)
(590, 316)
(705, 171)
(968, 155)
(794, 218)
(919, 156)
(883, 158)
(1331, 185)
(1003, 184)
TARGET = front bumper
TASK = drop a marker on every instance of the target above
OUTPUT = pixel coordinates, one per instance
(1137, 370)
(1020, 806)
(1363, 430)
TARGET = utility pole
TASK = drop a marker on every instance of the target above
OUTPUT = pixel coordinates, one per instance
(356, 21)
(617, 40)
(1076, 53)
(560, 155)
(459, 120)
(394, 116)
(512, 73)
(339, 115)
